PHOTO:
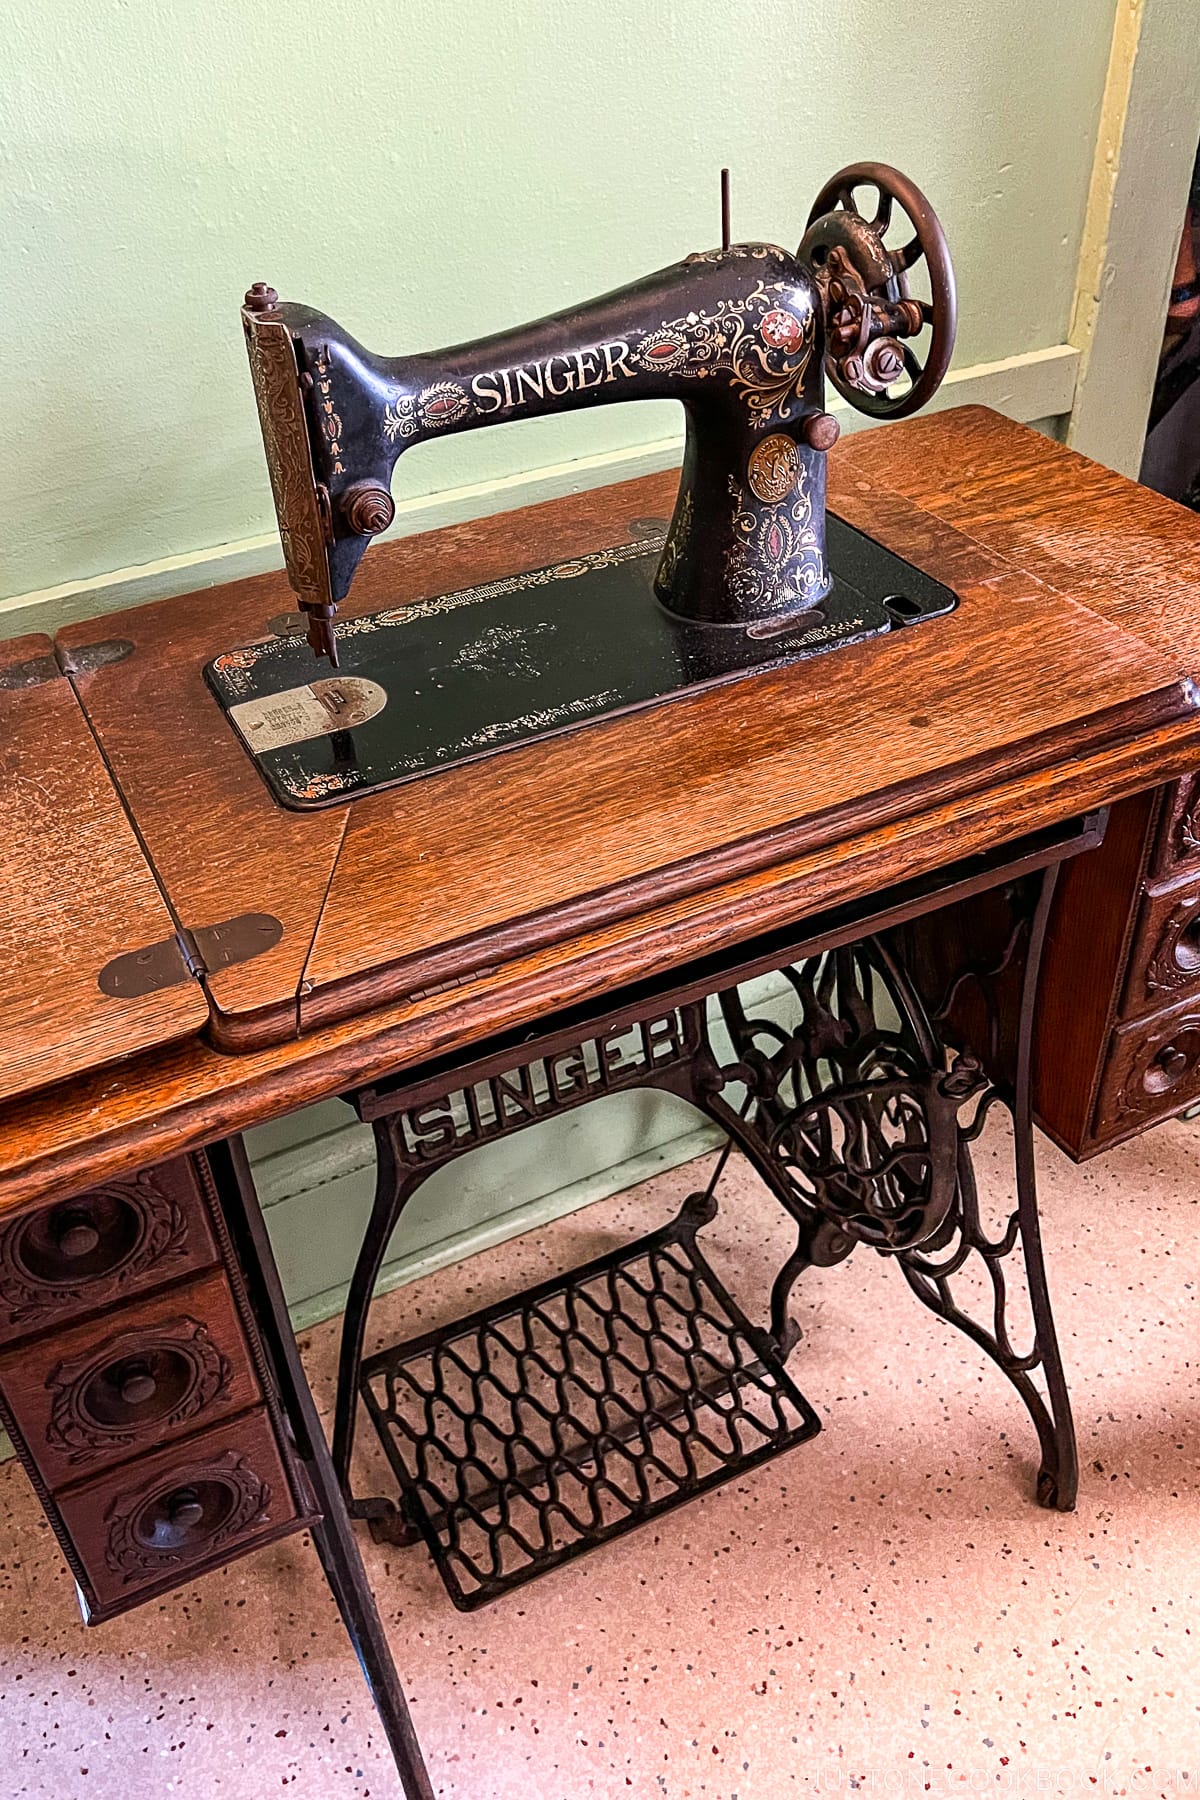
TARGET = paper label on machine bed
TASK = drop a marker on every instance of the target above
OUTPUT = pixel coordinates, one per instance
(467, 674)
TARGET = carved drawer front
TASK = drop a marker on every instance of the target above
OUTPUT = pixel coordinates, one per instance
(124, 1383)
(1152, 1071)
(115, 1240)
(156, 1523)
(1178, 843)
(1164, 963)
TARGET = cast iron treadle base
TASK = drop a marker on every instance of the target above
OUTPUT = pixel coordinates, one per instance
(552, 1422)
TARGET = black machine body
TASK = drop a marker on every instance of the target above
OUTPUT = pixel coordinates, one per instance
(744, 336)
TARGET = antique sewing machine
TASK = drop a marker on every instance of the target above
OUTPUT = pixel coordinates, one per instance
(692, 795)
(751, 572)
(854, 1125)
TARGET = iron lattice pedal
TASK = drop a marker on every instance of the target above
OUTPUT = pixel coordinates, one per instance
(545, 1425)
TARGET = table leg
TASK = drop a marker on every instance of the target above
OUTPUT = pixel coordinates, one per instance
(864, 1131)
(394, 1188)
(333, 1534)
(930, 1268)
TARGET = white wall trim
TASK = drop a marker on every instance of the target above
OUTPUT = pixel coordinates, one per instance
(1145, 148)
(1037, 385)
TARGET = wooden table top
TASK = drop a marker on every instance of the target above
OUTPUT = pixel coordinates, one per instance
(420, 919)
(75, 891)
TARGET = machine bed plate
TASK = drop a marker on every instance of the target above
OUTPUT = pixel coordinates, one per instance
(467, 674)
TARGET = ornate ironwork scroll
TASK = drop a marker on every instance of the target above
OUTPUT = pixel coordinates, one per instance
(846, 1101)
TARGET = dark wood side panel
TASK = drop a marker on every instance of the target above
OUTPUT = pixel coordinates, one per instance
(1082, 970)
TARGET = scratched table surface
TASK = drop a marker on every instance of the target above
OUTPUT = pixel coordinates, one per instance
(420, 919)
(75, 890)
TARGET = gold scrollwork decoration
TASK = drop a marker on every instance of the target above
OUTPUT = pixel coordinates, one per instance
(758, 340)
(775, 553)
(289, 459)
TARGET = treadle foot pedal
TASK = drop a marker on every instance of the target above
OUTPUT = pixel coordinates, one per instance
(554, 1421)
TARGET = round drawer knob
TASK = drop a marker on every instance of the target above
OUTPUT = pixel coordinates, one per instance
(136, 1384)
(77, 1237)
(1171, 1060)
(184, 1508)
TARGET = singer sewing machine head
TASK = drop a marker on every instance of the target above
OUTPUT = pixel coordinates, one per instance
(749, 571)
(743, 336)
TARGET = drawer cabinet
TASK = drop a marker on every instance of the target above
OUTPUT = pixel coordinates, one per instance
(164, 1365)
(1119, 1015)
(135, 1388)
(1152, 1069)
(1119, 1019)
(154, 1523)
(112, 1242)
(1117, 1044)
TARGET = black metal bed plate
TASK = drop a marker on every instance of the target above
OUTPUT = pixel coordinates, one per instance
(543, 1426)
(467, 674)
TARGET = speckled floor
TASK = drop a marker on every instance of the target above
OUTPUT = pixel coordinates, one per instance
(882, 1609)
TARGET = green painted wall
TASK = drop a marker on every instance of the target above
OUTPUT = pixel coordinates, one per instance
(428, 172)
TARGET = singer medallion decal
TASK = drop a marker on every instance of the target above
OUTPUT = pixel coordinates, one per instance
(773, 467)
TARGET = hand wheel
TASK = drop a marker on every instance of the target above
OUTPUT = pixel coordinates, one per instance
(869, 312)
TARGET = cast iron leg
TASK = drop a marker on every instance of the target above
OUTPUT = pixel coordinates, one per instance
(855, 1127)
(929, 1274)
(394, 1188)
(332, 1534)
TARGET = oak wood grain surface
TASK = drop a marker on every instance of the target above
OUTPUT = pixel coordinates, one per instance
(404, 889)
(221, 845)
(1077, 526)
(55, 1143)
(75, 891)
(1086, 944)
(780, 795)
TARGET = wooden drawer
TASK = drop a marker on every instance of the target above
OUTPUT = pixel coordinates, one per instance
(1164, 961)
(153, 1524)
(1177, 845)
(111, 1389)
(119, 1239)
(1152, 1070)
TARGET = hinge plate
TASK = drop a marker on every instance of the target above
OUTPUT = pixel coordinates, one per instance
(189, 955)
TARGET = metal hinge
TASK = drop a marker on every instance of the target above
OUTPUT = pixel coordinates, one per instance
(58, 663)
(189, 955)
